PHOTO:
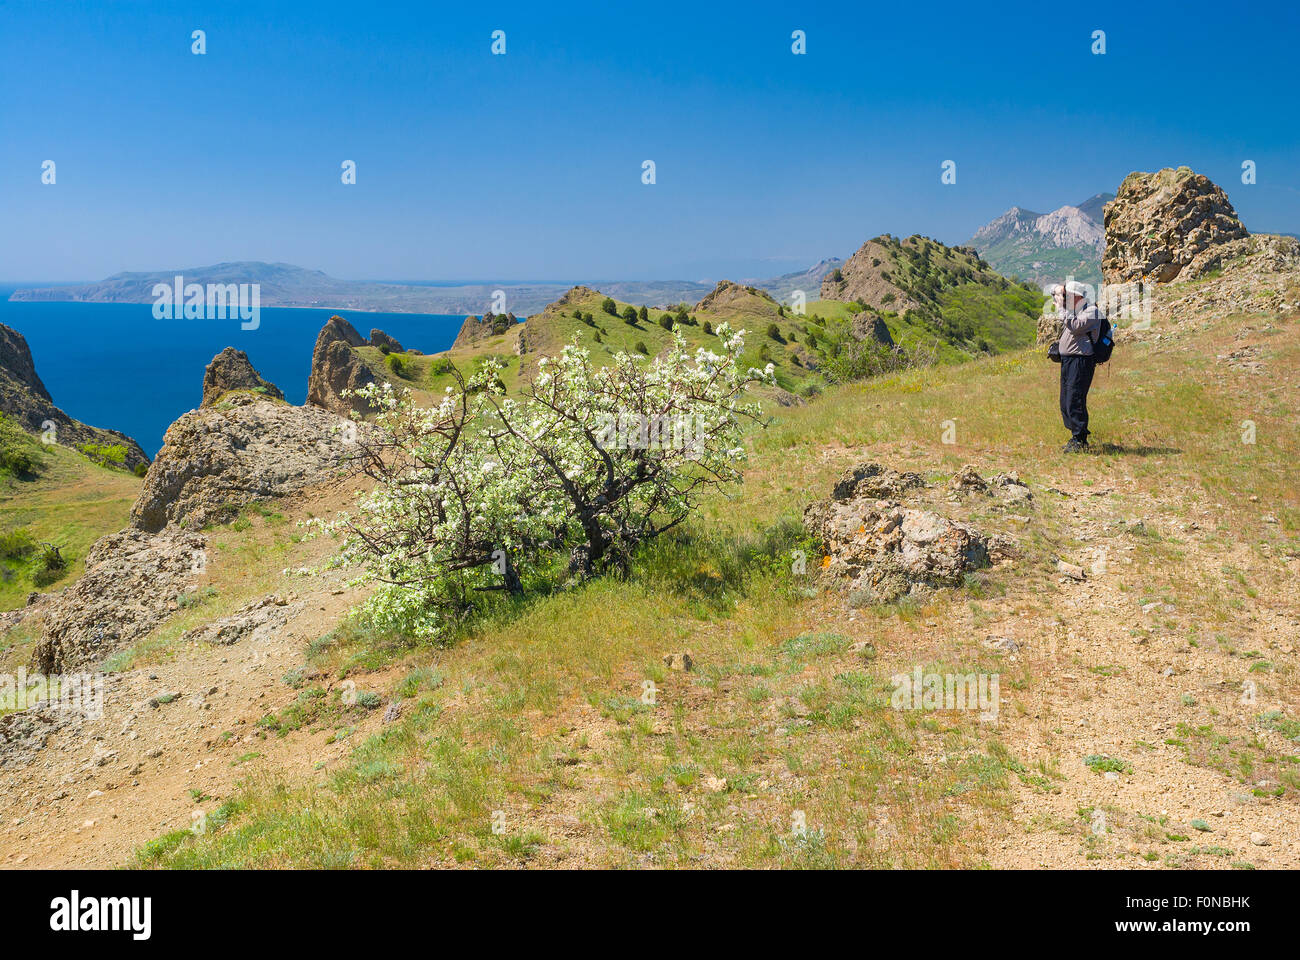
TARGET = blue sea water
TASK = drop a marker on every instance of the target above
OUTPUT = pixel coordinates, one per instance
(113, 365)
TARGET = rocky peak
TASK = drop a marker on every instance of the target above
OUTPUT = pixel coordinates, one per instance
(335, 367)
(232, 370)
(16, 362)
(1166, 225)
(384, 342)
(1070, 227)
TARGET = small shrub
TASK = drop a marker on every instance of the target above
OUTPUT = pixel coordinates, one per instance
(16, 544)
(641, 348)
(399, 365)
(20, 454)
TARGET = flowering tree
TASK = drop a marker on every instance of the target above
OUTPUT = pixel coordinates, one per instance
(588, 458)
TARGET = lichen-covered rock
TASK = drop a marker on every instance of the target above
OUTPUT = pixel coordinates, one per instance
(216, 459)
(131, 584)
(336, 367)
(232, 370)
(880, 549)
(1166, 225)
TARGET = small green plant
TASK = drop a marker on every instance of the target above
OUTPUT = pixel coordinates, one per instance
(16, 544)
(400, 365)
(20, 454)
(1100, 763)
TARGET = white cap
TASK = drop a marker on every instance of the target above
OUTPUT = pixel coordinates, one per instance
(1075, 288)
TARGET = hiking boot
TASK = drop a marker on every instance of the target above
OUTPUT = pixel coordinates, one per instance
(1075, 446)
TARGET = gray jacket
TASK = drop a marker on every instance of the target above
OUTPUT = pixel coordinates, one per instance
(1079, 328)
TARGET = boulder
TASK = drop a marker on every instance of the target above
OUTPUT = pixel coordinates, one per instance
(231, 370)
(880, 549)
(214, 460)
(870, 326)
(336, 367)
(1166, 226)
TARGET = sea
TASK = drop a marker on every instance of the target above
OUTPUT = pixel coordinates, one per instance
(113, 365)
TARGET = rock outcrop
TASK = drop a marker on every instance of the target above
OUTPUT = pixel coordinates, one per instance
(25, 400)
(880, 548)
(253, 621)
(870, 326)
(132, 583)
(477, 329)
(1168, 225)
(384, 342)
(336, 367)
(231, 370)
(214, 460)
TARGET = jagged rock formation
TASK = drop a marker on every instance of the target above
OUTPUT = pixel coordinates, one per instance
(880, 548)
(336, 367)
(1167, 225)
(214, 460)
(24, 399)
(132, 583)
(384, 342)
(477, 329)
(231, 370)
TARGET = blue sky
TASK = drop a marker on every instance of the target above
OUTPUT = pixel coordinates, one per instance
(528, 166)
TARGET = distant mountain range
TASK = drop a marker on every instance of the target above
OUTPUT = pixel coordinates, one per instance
(1044, 247)
(286, 285)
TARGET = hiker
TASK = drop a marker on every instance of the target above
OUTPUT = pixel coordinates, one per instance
(1081, 323)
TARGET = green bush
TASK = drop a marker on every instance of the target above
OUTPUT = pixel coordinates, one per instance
(440, 365)
(16, 544)
(400, 365)
(609, 306)
(105, 454)
(140, 469)
(49, 567)
(641, 347)
(20, 453)
(629, 315)
(666, 321)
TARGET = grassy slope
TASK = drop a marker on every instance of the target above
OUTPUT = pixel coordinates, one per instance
(536, 710)
(71, 503)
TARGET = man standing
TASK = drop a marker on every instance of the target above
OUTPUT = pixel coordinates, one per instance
(1081, 322)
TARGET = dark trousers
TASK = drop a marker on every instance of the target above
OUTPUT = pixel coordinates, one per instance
(1076, 378)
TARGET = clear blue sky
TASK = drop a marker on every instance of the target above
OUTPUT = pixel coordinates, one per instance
(528, 166)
